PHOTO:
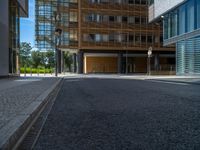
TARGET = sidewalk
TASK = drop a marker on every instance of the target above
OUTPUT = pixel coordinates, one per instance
(19, 98)
(166, 78)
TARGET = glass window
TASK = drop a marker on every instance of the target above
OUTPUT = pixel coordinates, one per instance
(98, 38)
(73, 17)
(73, 35)
(105, 38)
(137, 20)
(174, 24)
(165, 27)
(182, 20)
(169, 26)
(198, 13)
(190, 16)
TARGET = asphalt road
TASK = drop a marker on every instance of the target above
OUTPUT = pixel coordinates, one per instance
(113, 114)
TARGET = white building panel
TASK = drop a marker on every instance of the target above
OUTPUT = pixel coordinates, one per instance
(162, 6)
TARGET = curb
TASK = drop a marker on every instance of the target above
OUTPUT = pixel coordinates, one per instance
(14, 132)
(191, 83)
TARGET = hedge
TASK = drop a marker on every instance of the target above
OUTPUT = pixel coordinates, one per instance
(36, 70)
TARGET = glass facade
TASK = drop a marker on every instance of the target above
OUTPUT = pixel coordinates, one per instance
(188, 56)
(185, 20)
(198, 14)
(14, 19)
(45, 22)
(181, 20)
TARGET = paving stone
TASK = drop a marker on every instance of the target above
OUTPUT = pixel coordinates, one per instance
(18, 93)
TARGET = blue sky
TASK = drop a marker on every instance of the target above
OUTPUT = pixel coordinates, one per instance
(27, 25)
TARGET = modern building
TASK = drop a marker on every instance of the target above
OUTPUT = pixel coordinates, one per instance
(11, 11)
(105, 36)
(181, 23)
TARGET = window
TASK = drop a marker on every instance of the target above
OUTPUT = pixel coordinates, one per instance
(143, 20)
(73, 35)
(198, 13)
(143, 39)
(174, 23)
(131, 38)
(149, 39)
(124, 19)
(190, 16)
(73, 1)
(137, 39)
(111, 18)
(104, 1)
(91, 37)
(165, 27)
(143, 2)
(85, 37)
(130, 1)
(131, 19)
(111, 37)
(105, 38)
(151, 2)
(137, 1)
(137, 20)
(119, 19)
(98, 38)
(182, 20)
(105, 18)
(73, 17)
(124, 37)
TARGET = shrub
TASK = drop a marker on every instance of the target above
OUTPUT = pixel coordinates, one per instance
(36, 70)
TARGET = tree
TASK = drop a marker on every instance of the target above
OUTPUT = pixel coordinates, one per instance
(43, 61)
(68, 60)
(50, 56)
(36, 58)
(25, 54)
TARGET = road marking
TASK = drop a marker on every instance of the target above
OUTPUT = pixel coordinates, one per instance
(176, 83)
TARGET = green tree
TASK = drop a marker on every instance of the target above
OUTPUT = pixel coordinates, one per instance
(36, 59)
(68, 60)
(50, 57)
(25, 54)
(43, 62)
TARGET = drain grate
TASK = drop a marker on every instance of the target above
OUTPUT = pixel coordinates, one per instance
(31, 138)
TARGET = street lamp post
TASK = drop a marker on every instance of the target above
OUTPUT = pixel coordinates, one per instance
(57, 34)
(149, 53)
(126, 62)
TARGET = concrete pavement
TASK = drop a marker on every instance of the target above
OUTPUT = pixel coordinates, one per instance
(20, 100)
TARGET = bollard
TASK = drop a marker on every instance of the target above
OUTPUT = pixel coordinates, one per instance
(31, 71)
(25, 71)
(171, 69)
